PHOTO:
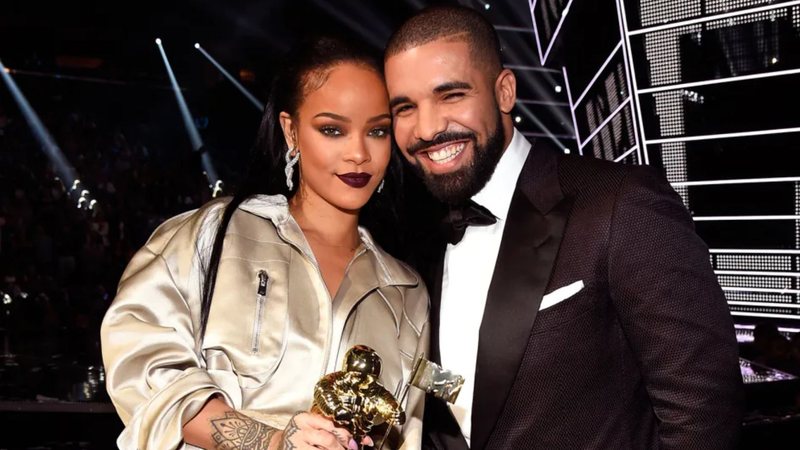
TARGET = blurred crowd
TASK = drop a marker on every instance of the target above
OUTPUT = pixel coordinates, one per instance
(59, 265)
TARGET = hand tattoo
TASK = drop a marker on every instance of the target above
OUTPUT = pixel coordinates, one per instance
(236, 431)
(290, 430)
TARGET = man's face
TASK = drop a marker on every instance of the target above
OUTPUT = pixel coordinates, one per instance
(446, 118)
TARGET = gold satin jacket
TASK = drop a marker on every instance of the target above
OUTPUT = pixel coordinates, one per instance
(272, 332)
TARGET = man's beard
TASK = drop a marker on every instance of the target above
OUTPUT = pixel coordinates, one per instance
(456, 188)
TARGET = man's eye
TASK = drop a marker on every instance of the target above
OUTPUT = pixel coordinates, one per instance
(379, 132)
(402, 109)
(330, 131)
(453, 95)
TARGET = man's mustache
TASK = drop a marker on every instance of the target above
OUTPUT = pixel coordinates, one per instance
(441, 138)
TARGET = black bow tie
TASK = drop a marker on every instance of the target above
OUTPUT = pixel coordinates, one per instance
(460, 217)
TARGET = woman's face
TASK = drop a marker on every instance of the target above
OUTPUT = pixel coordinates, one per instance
(343, 134)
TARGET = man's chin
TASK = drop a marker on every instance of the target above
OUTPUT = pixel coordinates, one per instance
(452, 188)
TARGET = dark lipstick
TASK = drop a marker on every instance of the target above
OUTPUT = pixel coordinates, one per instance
(356, 180)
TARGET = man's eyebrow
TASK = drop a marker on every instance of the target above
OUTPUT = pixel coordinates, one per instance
(450, 86)
(332, 116)
(398, 100)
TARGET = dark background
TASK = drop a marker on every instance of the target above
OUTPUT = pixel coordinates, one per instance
(93, 73)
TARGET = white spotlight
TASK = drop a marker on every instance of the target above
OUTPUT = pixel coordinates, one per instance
(558, 89)
(567, 151)
(518, 119)
(158, 41)
(197, 46)
(774, 60)
(487, 6)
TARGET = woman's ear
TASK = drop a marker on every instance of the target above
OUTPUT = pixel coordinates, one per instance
(288, 129)
(505, 90)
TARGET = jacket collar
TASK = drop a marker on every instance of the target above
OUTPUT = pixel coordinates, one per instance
(539, 178)
(376, 269)
(275, 208)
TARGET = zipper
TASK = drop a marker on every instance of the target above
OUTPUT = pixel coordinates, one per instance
(261, 297)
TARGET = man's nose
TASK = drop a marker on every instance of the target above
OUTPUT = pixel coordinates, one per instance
(430, 122)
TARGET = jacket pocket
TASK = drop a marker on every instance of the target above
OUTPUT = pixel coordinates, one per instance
(268, 338)
(558, 316)
(249, 319)
(258, 318)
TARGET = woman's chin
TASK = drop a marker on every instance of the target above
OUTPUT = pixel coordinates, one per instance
(350, 203)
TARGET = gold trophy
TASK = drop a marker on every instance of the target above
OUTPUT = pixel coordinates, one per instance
(354, 398)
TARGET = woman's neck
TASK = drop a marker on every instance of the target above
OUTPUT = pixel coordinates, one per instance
(324, 223)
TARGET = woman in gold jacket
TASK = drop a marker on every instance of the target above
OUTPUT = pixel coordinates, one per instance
(295, 280)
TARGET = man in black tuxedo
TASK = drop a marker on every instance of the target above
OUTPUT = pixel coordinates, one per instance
(573, 294)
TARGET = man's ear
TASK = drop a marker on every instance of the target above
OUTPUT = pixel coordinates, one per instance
(505, 90)
(288, 129)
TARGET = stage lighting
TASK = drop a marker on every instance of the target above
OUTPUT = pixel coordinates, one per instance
(567, 151)
(64, 169)
(237, 84)
(158, 41)
(774, 60)
(518, 119)
(558, 89)
(487, 6)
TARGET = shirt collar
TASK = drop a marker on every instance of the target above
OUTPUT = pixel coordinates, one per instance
(496, 195)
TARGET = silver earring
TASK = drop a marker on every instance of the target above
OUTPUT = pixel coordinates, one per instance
(290, 162)
(380, 186)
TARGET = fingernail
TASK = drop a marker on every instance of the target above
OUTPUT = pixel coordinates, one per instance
(352, 445)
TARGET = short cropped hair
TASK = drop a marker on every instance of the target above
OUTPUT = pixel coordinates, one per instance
(454, 23)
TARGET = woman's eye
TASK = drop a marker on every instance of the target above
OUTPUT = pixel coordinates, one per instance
(330, 131)
(379, 132)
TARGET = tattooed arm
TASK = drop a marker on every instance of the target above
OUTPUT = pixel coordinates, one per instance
(219, 427)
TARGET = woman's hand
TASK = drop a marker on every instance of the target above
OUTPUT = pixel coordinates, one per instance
(217, 426)
(311, 431)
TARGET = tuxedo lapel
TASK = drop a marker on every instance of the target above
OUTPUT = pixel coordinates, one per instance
(435, 293)
(531, 238)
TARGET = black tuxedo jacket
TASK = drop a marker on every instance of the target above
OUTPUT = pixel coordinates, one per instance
(643, 357)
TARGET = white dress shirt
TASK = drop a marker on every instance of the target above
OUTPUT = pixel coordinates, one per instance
(467, 274)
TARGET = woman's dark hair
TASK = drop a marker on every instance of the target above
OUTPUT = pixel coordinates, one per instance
(304, 68)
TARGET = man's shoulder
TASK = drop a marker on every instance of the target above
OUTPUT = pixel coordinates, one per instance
(586, 173)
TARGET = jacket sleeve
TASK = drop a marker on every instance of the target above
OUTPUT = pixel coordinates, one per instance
(674, 316)
(155, 377)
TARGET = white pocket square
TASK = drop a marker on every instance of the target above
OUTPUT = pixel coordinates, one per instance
(560, 294)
